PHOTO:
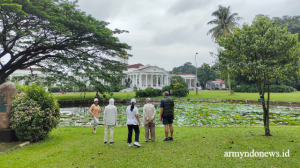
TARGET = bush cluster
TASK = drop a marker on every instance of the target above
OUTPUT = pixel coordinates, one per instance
(148, 92)
(273, 88)
(35, 113)
(176, 89)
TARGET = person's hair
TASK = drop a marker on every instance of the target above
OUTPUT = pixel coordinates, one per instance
(148, 100)
(166, 93)
(132, 106)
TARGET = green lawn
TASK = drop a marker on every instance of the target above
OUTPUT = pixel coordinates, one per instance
(193, 147)
(290, 97)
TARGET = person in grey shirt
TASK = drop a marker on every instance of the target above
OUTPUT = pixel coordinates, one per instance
(149, 120)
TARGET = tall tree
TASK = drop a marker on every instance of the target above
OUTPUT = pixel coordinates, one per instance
(187, 67)
(262, 52)
(205, 73)
(57, 37)
(225, 23)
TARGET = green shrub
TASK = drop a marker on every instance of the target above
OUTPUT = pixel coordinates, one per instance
(149, 92)
(20, 88)
(34, 113)
(53, 89)
(166, 88)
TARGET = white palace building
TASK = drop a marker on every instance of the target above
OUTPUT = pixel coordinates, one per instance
(143, 76)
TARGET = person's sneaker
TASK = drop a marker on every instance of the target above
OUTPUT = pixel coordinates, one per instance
(130, 144)
(111, 143)
(105, 143)
(170, 139)
(94, 131)
(137, 144)
(166, 140)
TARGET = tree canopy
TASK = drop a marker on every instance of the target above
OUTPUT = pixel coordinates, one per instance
(57, 37)
(224, 22)
(205, 73)
(262, 51)
(187, 67)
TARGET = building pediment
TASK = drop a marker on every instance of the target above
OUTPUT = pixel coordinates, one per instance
(154, 69)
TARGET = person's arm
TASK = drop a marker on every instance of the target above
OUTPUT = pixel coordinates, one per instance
(104, 117)
(137, 117)
(153, 116)
(144, 114)
(91, 109)
(116, 115)
(161, 112)
(161, 109)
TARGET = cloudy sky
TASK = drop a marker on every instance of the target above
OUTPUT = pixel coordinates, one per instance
(168, 33)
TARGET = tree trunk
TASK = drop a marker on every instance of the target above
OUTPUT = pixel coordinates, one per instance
(231, 92)
(266, 120)
(2, 81)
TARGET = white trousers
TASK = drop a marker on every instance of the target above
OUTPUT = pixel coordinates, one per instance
(111, 132)
(96, 122)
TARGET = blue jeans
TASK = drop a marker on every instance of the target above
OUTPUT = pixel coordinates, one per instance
(136, 131)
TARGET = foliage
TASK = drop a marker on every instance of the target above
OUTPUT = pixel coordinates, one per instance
(273, 88)
(128, 82)
(176, 78)
(53, 89)
(206, 73)
(67, 44)
(292, 23)
(225, 22)
(167, 88)
(187, 67)
(35, 113)
(261, 51)
(148, 92)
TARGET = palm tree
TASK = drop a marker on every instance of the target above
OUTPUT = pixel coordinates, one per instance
(225, 23)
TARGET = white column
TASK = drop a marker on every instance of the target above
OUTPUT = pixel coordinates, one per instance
(156, 80)
(140, 80)
(136, 79)
(151, 80)
(190, 82)
(146, 80)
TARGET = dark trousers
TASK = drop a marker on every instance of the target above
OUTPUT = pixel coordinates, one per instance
(136, 131)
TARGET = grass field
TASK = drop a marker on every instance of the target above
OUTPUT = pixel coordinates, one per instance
(290, 97)
(192, 147)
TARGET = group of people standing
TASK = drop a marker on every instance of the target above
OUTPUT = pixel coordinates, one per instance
(133, 121)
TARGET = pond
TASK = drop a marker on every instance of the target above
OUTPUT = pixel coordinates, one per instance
(194, 114)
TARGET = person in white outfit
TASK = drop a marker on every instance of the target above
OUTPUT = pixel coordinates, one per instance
(95, 110)
(133, 123)
(149, 113)
(110, 120)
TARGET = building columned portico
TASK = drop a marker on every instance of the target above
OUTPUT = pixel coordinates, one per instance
(152, 76)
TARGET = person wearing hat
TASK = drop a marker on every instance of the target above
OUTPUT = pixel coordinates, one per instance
(95, 110)
(133, 123)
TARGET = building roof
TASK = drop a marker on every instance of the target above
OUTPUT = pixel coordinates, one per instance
(184, 74)
(220, 80)
(134, 66)
(143, 68)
